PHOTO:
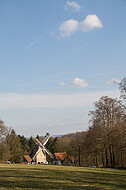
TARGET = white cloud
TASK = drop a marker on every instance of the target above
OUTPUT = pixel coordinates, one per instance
(14, 101)
(61, 83)
(80, 83)
(74, 5)
(91, 22)
(70, 26)
(113, 80)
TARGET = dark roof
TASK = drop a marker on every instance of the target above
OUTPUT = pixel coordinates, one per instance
(27, 158)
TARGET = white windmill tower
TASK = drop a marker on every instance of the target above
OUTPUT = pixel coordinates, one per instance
(41, 153)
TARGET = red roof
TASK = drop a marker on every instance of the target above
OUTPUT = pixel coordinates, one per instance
(62, 156)
(27, 158)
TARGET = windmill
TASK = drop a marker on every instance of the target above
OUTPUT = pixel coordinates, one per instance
(40, 152)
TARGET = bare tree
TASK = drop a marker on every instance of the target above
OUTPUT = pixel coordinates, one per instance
(4, 151)
(76, 148)
(3, 131)
(122, 86)
(108, 127)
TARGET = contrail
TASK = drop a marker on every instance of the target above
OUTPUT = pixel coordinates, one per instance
(38, 38)
(46, 32)
(31, 44)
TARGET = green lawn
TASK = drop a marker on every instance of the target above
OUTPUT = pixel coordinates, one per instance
(19, 176)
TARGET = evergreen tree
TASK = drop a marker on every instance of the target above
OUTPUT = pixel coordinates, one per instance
(14, 145)
(24, 144)
(51, 145)
(31, 143)
(37, 137)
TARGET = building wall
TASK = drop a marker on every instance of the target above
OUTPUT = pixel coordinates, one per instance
(40, 157)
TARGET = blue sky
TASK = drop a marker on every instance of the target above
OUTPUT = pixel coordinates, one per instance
(57, 57)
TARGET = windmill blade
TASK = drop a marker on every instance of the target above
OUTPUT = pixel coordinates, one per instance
(46, 138)
(39, 143)
(42, 145)
(48, 152)
(36, 153)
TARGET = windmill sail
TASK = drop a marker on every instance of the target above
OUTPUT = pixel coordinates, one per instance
(46, 138)
(42, 145)
(39, 143)
(36, 154)
(48, 152)
(40, 154)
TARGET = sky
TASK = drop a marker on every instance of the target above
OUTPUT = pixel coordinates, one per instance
(57, 58)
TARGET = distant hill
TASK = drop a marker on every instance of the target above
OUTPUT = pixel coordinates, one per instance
(73, 135)
(60, 135)
(69, 135)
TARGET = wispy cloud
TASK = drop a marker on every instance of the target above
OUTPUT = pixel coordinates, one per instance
(74, 5)
(79, 83)
(39, 100)
(61, 83)
(71, 26)
(113, 80)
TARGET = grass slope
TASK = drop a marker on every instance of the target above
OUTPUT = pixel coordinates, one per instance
(27, 177)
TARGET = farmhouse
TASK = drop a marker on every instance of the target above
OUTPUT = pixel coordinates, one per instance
(63, 159)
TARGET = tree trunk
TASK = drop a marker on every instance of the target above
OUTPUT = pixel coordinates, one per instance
(96, 162)
(106, 155)
(113, 154)
(79, 160)
(103, 163)
(111, 159)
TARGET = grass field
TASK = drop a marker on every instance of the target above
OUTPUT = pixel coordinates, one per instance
(19, 176)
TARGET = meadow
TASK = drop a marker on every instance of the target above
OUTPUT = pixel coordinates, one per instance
(36, 177)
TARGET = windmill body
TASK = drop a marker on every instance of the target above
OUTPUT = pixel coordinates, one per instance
(39, 154)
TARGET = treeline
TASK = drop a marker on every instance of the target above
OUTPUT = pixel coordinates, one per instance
(103, 145)
(12, 146)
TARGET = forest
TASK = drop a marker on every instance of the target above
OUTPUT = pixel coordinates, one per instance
(102, 145)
